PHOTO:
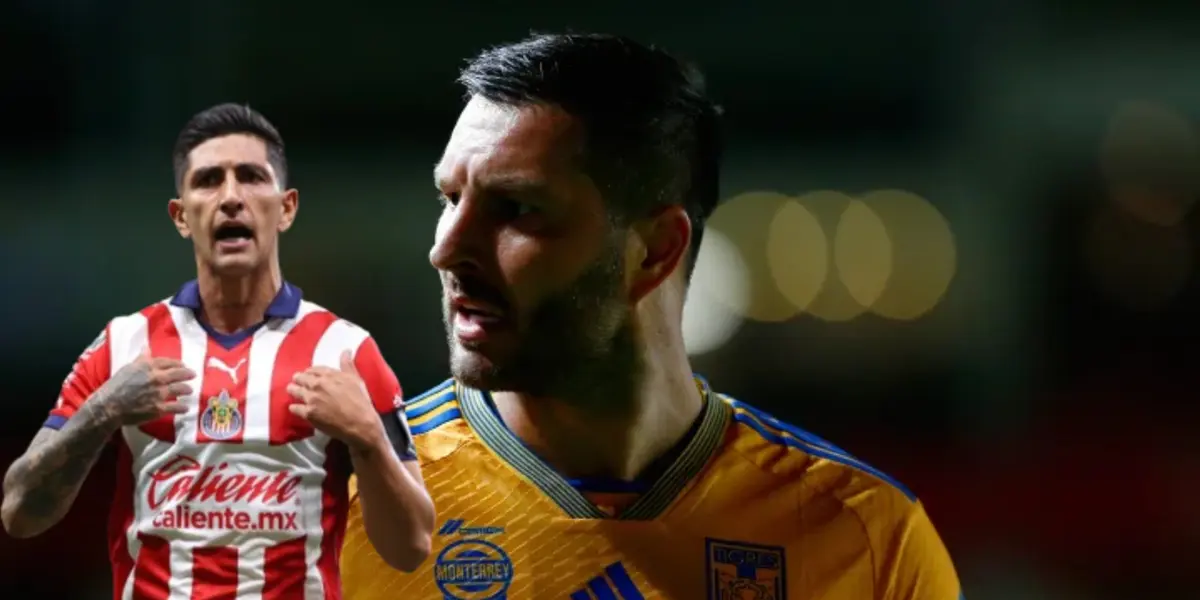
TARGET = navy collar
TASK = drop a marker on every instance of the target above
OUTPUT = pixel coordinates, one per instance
(286, 304)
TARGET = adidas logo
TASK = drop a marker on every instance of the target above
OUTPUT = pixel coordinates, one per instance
(613, 584)
(458, 527)
(451, 526)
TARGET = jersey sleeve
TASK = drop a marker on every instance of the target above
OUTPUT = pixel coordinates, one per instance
(387, 396)
(91, 370)
(916, 564)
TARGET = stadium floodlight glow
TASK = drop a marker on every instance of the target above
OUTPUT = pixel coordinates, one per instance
(923, 251)
(746, 221)
(836, 256)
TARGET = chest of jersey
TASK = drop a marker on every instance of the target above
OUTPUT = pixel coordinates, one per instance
(499, 537)
(238, 464)
(240, 395)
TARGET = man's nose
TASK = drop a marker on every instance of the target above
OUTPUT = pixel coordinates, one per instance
(457, 241)
(231, 197)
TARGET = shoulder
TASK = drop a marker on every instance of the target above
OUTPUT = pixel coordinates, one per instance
(314, 316)
(436, 421)
(790, 452)
(140, 319)
(330, 333)
(131, 329)
(907, 552)
(330, 336)
(433, 409)
(124, 336)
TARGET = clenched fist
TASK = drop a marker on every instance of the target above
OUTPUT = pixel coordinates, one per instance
(336, 402)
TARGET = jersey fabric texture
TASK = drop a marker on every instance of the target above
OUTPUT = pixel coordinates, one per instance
(751, 508)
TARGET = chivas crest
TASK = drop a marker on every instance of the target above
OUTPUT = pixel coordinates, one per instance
(221, 419)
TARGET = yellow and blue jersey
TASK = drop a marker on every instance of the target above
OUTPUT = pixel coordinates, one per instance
(748, 508)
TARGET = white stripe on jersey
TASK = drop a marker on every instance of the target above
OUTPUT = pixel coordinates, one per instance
(339, 337)
(128, 338)
(194, 348)
(252, 562)
(263, 350)
(181, 572)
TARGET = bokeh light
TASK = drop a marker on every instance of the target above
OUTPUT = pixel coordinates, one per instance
(797, 254)
(834, 256)
(745, 221)
(1151, 162)
(834, 302)
(717, 297)
(924, 255)
(862, 253)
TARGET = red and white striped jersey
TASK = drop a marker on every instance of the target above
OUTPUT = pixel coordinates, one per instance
(237, 498)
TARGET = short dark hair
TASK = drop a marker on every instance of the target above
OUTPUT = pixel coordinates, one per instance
(228, 119)
(652, 133)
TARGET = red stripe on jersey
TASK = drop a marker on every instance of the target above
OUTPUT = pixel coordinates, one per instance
(225, 375)
(284, 570)
(214, 573)
(295, 355)
(152, 575)
(336, 497)
(91, 370)
(381, 382)
(120, 519)
(164, 343)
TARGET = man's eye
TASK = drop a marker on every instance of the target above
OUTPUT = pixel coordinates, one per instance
(514, 209)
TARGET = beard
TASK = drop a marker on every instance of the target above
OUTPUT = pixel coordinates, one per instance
(577, 343)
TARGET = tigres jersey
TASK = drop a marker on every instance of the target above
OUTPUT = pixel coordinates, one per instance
(750, 509)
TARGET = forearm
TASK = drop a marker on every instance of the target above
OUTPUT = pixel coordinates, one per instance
(41, 485)
(397, 512)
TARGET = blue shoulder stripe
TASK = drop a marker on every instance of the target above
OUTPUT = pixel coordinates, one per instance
(794, 437)
(788, 427)
(427, 404)
(430, 400)
(435, 422)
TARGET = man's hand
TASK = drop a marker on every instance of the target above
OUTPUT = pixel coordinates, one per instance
(41, 485)
(143, 390)
(336, 402)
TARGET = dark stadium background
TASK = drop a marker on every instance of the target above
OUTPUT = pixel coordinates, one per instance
(1044, 409)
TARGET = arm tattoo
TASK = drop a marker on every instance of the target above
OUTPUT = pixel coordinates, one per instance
(129, 396)
(41, 485)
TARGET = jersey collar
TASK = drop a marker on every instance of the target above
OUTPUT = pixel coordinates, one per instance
(285, 305)
(477, 410)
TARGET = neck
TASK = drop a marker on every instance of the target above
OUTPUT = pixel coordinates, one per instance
(581, 437)
(235, 302)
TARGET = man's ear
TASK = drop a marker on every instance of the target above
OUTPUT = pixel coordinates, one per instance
(175, 211)
(661, 241)
(291, 205)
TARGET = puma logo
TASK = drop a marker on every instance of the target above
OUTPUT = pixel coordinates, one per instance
(216, 363)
